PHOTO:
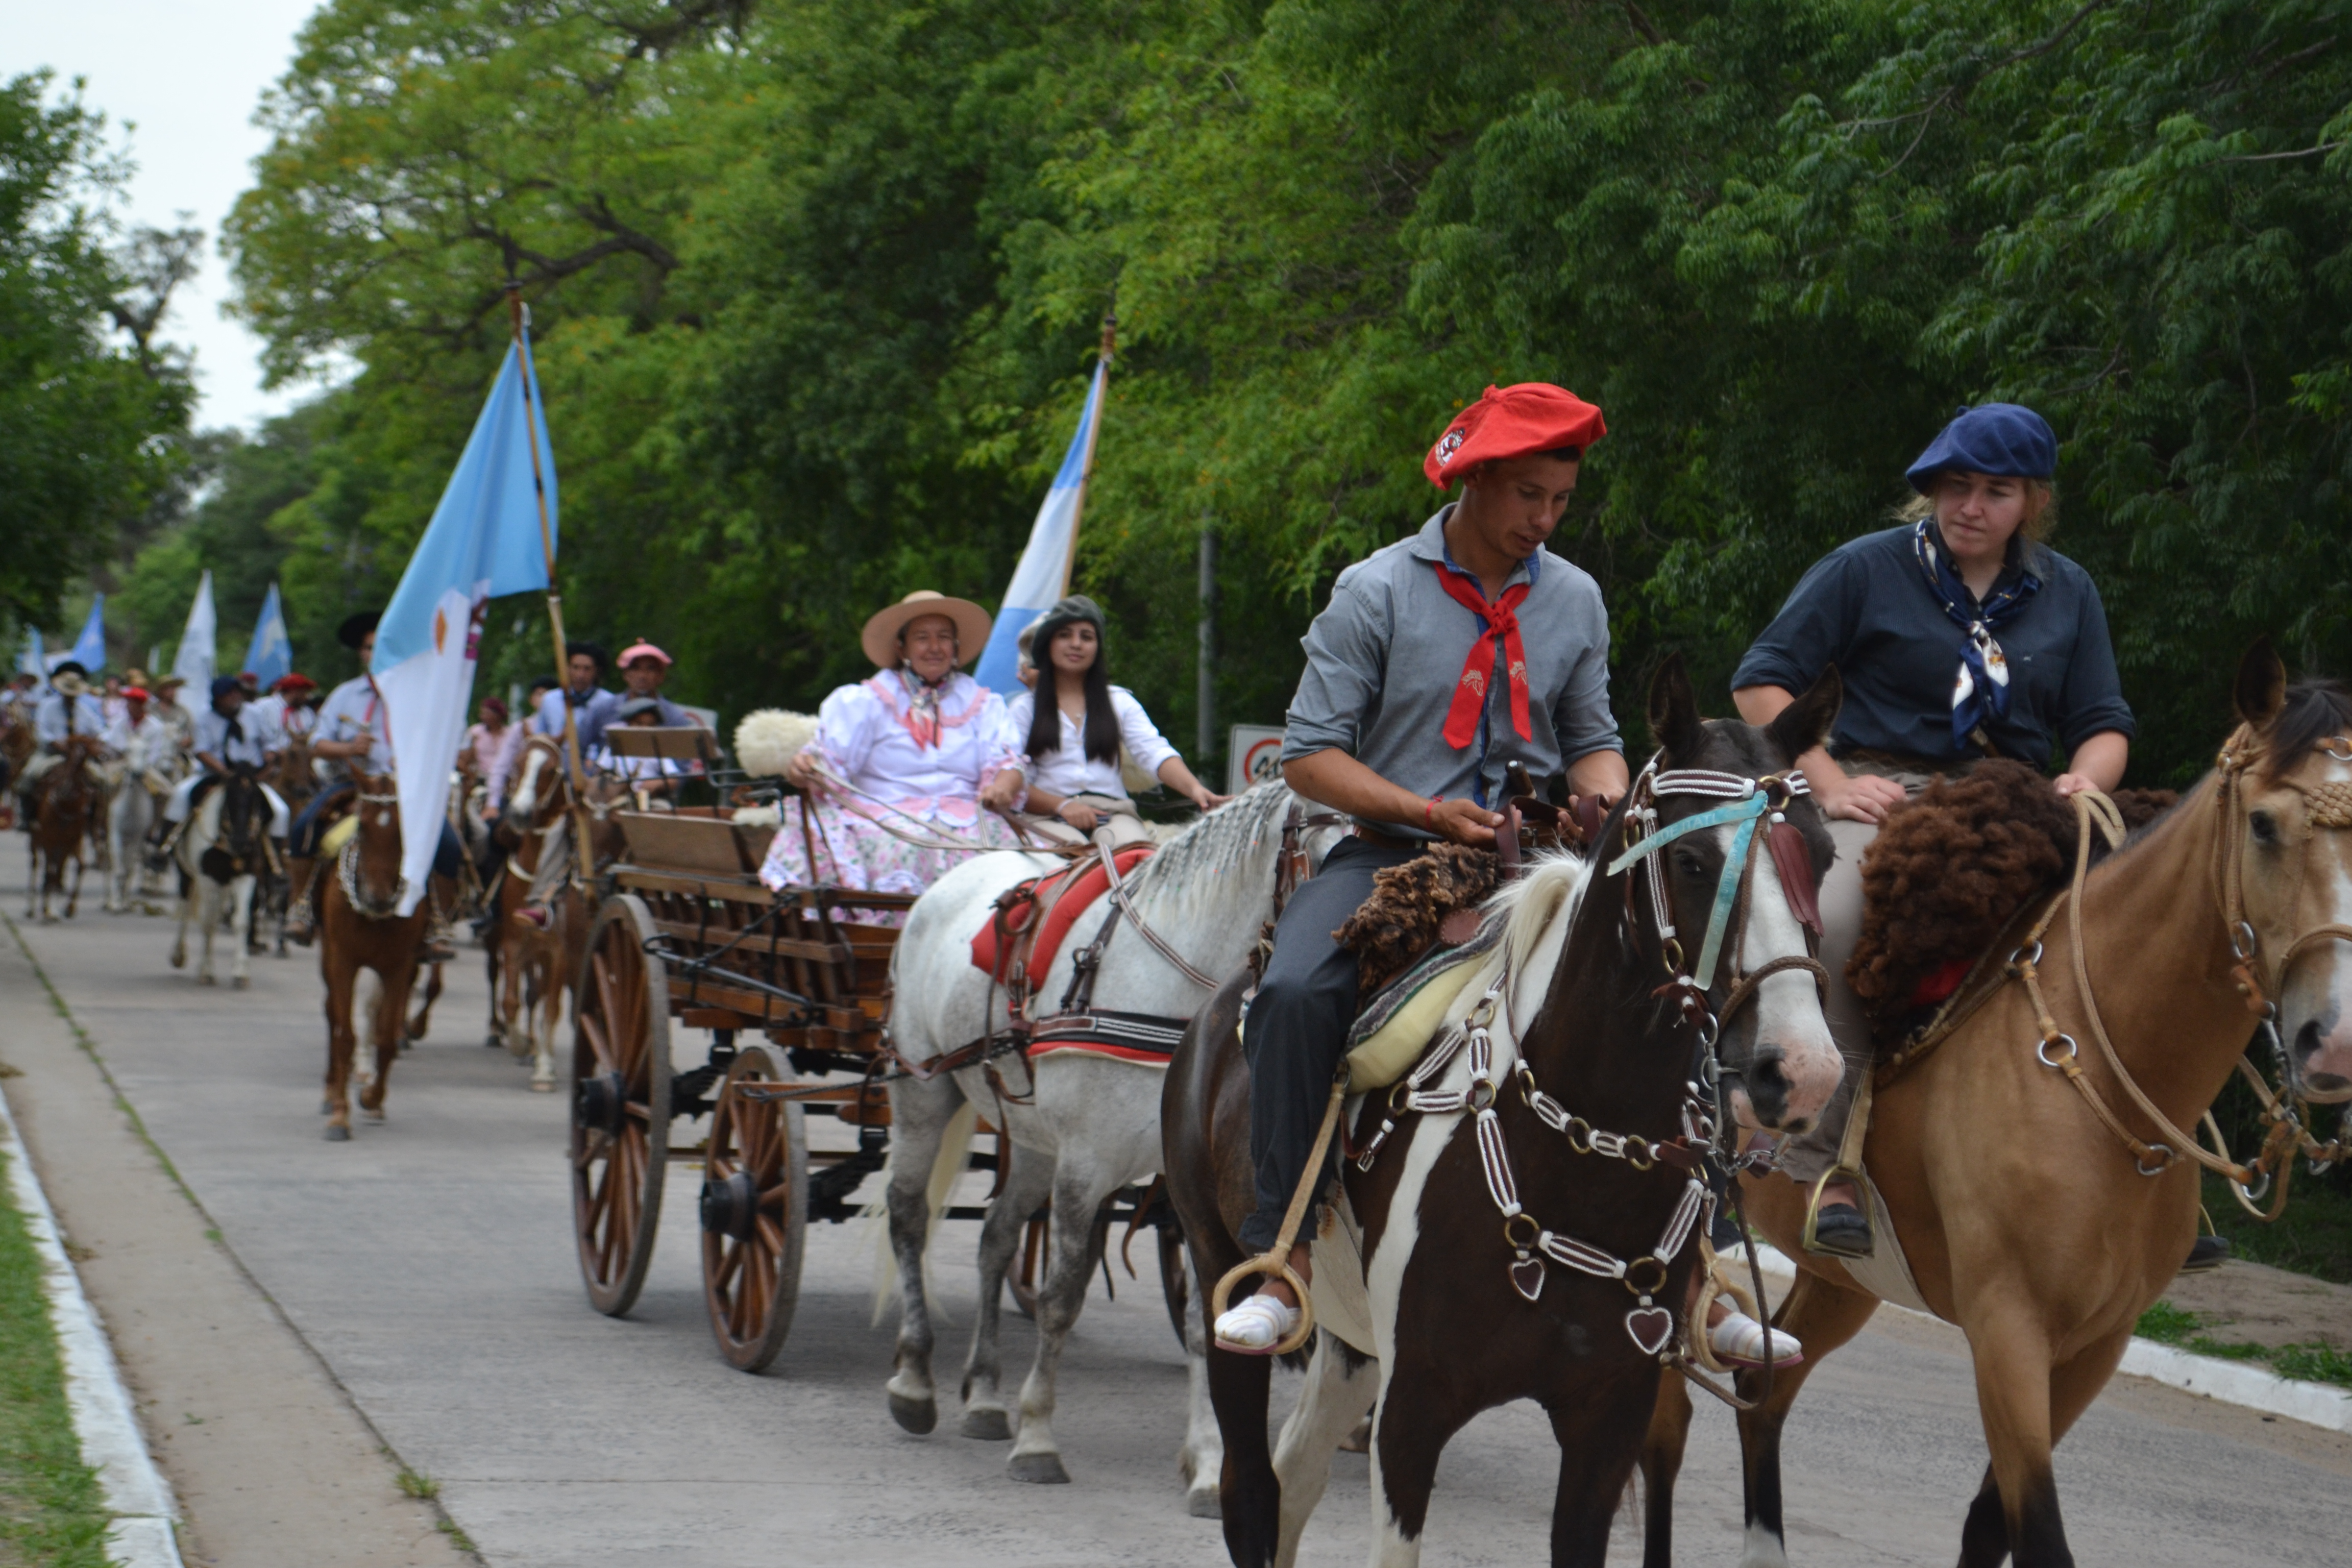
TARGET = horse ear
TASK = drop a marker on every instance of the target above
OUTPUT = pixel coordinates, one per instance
(1673, 710)
(2261, 689)
(1805, 723)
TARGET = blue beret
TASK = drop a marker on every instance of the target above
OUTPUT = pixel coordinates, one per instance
(223, 685)
(2004, 438)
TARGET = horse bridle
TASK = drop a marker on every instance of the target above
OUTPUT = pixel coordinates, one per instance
(1749, 803)
(2284, 1110)
(347, 868)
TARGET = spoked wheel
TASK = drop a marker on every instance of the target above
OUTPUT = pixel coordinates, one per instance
(620, 1104)
(755, 1212)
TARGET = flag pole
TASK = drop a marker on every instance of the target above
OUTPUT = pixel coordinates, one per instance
(1109, 352)
(547, 546)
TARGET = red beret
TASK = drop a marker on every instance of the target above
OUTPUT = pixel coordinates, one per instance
(1512, 422)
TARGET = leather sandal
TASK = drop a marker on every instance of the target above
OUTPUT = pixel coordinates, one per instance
(1841, 1230)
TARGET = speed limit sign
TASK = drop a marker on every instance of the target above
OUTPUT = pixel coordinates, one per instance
(1255, 756)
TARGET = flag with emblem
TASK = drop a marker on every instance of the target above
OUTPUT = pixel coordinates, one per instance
(483, 540)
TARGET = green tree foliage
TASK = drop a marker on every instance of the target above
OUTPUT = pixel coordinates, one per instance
(85, 424)
(816, 286)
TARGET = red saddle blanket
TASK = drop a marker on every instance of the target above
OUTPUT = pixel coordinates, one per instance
(1063, 898)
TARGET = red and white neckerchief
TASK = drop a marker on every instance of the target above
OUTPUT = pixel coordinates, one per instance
(921, 718)
(1499, 624)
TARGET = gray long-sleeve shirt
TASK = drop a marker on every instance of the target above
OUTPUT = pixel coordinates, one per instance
(1385, 655)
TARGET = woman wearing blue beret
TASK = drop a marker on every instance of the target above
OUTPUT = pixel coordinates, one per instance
(1961, 636)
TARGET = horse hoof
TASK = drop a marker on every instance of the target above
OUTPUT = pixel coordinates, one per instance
(179, 961)
(1204, 1504)
(990, 1425)
(547, 1086)
(338, 1133)
(372, 1113)
(917, 1416)
(1044, 1469)
(206, 980)
(240, 983)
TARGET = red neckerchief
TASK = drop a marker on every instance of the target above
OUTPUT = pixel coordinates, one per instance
(1500, 629)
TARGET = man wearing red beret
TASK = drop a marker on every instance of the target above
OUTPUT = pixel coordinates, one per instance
(1440, 660)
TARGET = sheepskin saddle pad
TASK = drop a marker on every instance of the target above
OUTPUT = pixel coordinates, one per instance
(1416, 940)
(1951, 870)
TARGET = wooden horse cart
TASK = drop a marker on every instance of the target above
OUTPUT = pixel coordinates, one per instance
(793, 989)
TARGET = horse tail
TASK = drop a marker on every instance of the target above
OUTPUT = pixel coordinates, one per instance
(955, 1150)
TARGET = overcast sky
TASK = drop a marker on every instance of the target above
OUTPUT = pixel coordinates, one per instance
(186, 76)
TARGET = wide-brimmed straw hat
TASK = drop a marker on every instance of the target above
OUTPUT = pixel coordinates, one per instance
(880, 638)
(67, 680)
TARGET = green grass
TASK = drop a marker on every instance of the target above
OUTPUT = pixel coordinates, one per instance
(2170, 1325)
(421, 1486)
(457, 1538)
(51, 1512)
(2313, 1237)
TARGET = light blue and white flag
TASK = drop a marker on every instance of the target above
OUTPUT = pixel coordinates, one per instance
(191, 661)
(35, 659)
(90, 649)
(1044, 574)
(271, 655)
(483, 541)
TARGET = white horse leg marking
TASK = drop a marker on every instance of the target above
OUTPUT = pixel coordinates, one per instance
(1334, 1400)
(240, 895)
(1202, 1460)
(1028, 1183)
(1762, 1548)
(367, 993)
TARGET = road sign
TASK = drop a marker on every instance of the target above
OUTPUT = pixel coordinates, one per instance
(1255, 756)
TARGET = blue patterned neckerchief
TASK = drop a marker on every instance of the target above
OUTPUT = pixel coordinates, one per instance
(1980, 689)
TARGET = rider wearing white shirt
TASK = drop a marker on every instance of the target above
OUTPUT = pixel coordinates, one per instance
(227, 741)
(1063, 766)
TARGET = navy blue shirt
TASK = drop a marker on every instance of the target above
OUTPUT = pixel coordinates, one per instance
(1866, 607)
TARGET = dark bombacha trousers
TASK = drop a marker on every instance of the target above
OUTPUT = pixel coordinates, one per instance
(1295, 1030)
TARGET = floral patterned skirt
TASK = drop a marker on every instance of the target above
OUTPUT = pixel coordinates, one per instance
(855, 850)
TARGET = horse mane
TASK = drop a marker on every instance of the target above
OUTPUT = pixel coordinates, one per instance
(1221, 841)
(1546, 893)
(2313, 710)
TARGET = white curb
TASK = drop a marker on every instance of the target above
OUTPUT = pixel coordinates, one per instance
(140, 1535)
(2232, 1382)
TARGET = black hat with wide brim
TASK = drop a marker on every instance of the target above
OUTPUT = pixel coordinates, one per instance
(355, 629)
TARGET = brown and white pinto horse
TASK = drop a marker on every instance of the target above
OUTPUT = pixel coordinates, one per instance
(1468, 1309)
(536, 966)
(2025, 1219)
(360, 929)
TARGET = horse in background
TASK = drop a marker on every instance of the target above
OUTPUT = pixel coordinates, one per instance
(222, 856)
(295, 776)
(67, 804)
(363, 933)
(1081, 1125)
(534, 968)
(131, 811)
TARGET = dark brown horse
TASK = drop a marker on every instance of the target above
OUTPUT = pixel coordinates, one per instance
(1580, 1299)
(360, 930)
(2024, 1215)
(67, 804)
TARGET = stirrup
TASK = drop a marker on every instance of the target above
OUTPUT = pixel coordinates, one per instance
(1284, 1325)
(1811, 1240)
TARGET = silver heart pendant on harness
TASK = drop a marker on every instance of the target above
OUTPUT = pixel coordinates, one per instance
(1528, 1275)
(1651, 1327)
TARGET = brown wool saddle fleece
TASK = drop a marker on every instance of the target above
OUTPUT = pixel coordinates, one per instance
(1951, 870)
(1413, 910)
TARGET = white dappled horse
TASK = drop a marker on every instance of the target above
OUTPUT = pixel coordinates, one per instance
(225, 848)
(1092, 1124)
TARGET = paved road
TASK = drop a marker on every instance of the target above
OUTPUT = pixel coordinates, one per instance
(429, 1263)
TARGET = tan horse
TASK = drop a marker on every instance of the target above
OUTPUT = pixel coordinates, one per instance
(359, 892)
(537, 965)
(2043, 1220)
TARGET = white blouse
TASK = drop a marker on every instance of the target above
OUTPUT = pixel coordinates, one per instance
(879, 737)
(1070, 771)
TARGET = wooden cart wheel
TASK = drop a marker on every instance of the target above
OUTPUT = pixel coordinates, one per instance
(620, 1104)
(755, 1212)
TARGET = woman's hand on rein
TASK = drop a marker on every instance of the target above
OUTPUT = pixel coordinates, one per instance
(1208, 800)
(1078, 814)
(1859, 797)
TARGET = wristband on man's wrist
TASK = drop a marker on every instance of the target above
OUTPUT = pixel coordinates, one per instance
(1429, 811)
